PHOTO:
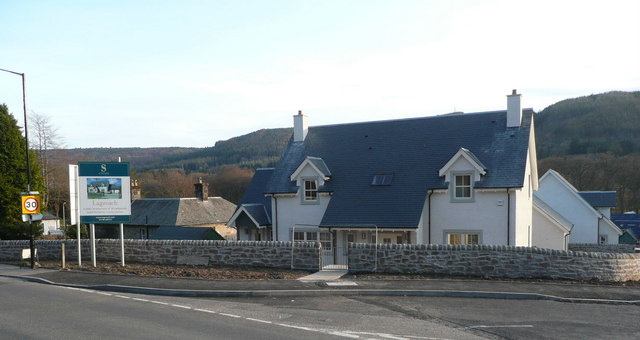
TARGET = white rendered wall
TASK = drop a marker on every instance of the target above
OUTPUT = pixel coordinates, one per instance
(557, 196)
(487, 214)
(289, 210)
(546, 234)
(522, 211)
(605, 229)
(605, 211)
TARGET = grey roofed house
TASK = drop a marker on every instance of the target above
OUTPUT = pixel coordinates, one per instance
(254, 208)
(180, 211)
(599, 199)
(412, 151)
(184, 233)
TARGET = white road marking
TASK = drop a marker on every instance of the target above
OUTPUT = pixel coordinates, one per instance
(204, 310)
(159, 302)
(258, 320)
(344, 334)
(181, 306)
(501, 326)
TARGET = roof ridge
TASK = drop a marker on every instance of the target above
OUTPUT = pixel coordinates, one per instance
(442, 115)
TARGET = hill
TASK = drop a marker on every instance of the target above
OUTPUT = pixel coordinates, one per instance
(599, 123)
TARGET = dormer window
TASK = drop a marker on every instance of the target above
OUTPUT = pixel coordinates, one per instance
(310, 190)
(462, 186)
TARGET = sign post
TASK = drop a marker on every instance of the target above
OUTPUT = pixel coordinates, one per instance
(104, 195)
(30, 213)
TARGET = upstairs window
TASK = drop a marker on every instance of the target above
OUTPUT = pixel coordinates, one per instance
(310, 190)
(383, 179)
(462, 186)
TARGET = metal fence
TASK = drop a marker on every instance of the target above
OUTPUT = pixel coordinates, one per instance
(334, 258)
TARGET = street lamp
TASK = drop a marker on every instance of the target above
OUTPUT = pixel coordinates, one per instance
(26, 138)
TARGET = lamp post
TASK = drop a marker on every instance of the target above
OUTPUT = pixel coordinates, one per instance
(26, 138)
(64, 218)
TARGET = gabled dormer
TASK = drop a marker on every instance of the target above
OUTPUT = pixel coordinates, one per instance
(310, 176)
(461, 172)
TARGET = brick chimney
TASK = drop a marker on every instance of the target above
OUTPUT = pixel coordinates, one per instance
(136, 190)
(202, 190)
(300, 127)
(514, 110)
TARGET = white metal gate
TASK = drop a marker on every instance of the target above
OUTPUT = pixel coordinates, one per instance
(334, 258)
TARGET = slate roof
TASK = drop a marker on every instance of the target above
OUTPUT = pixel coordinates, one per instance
(180, 211)
(253, 199)
(413, 150)
(628, 222)
(599, 198)
(321, 165)
(184, 233)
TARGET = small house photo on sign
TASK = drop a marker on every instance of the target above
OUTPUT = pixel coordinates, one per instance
(104, 188)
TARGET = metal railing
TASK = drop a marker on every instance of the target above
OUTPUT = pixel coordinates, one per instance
(334, 258)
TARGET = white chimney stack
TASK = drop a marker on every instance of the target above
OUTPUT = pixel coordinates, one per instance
(514, 110)
(300, 127)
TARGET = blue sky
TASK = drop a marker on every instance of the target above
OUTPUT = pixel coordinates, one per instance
(190, 73)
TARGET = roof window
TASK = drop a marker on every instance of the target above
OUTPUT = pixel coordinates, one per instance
(383, 179)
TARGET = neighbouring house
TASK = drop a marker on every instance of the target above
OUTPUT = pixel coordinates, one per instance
(450, 179)
(252, 218)
(587, 211)
(151, 216)
(185, 233)
(629, 223)
(50, 224)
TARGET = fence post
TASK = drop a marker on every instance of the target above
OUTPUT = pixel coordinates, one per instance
(63, 259)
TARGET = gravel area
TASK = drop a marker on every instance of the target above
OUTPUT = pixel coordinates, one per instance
(200, 272)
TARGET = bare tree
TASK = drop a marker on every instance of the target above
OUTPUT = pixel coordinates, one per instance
(44, 137)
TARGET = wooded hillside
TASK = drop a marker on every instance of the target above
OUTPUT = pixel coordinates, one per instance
(594, 141)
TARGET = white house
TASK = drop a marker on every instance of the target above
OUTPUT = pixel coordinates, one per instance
(590, 224)
(50, 223)
(448, 179)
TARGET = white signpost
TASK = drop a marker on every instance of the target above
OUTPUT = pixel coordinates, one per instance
(73, 205)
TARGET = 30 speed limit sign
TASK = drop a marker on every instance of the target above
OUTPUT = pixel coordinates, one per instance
(31, 204)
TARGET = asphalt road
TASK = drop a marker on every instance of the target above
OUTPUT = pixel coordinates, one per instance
(37, 311)
(30, 310)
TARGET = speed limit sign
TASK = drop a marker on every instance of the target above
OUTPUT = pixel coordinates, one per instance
(31, 204)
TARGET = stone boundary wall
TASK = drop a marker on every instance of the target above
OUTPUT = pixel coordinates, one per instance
(603, 248)
(494, 261)
(477, 260)
(233, 253)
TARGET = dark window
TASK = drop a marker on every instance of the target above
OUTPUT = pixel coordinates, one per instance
(310, 190)
(384, 179)
(463, 186)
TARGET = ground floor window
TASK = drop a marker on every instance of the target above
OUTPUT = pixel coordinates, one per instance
(314, 236)
(604, 239)
(463, 238)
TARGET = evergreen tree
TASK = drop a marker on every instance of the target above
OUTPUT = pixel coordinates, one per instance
(13, 175)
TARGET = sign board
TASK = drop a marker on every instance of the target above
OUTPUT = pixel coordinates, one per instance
(30, 204)
(104, 192)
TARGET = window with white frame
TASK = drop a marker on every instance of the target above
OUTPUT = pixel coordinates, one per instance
(310, 190)
(314, 236)
(462, 238)
(462, 186)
